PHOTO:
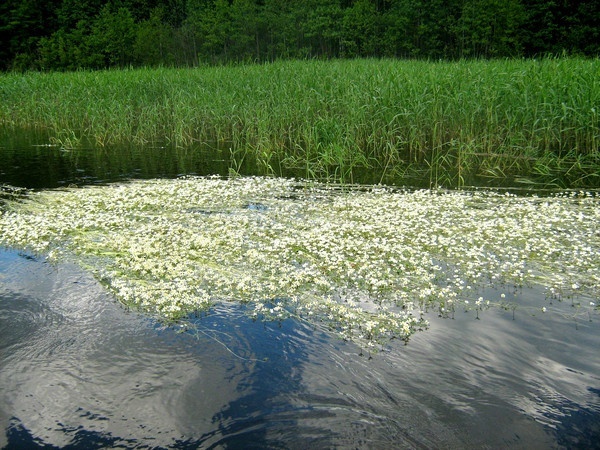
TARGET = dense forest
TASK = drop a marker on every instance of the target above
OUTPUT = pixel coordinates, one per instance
(73, 34)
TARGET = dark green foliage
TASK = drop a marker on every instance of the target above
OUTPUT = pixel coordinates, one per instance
(561, 26)
(490, 28)
(71, 34)
(22, 24)
(112, 38)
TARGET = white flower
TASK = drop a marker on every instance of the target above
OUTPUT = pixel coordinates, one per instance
(351, 259)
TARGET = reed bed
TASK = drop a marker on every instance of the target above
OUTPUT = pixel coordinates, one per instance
(398, 122)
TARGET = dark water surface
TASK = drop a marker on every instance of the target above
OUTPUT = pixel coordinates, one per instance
(79, 371)
(31, 160)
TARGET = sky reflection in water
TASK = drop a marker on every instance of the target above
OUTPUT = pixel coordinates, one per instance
(78, 370)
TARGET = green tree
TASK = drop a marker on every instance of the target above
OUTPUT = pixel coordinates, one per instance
(540, 30)
(22, 24)
(112, 38)
(70, 34)
(73, 13)
(319, 27)
(278, 29)
(490, 28)
(579, 31)
(398, 24)
(360, 34)
(213, 30)
(154, 41)
(244, 39)
(420, 28)
(63, 50)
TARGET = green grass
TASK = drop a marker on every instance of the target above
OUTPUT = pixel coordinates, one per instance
(398, 122)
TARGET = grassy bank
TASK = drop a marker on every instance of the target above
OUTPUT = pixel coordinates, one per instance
(402, 122)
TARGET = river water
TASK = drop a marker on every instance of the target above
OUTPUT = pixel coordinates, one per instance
(79, 371)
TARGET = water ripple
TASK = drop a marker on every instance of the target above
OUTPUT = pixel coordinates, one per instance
(79, 371)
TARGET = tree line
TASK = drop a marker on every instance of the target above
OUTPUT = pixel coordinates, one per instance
(97, 34)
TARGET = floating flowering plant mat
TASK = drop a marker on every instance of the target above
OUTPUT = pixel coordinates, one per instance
(366, 261)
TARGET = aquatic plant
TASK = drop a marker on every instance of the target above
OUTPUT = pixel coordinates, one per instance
(365, 261)
(397, 122)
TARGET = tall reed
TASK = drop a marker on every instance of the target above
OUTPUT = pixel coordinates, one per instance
(415, 122)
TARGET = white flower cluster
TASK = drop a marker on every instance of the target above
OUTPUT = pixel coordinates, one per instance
(364, 261)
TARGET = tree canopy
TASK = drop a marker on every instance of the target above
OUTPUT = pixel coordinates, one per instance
(95, 34)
